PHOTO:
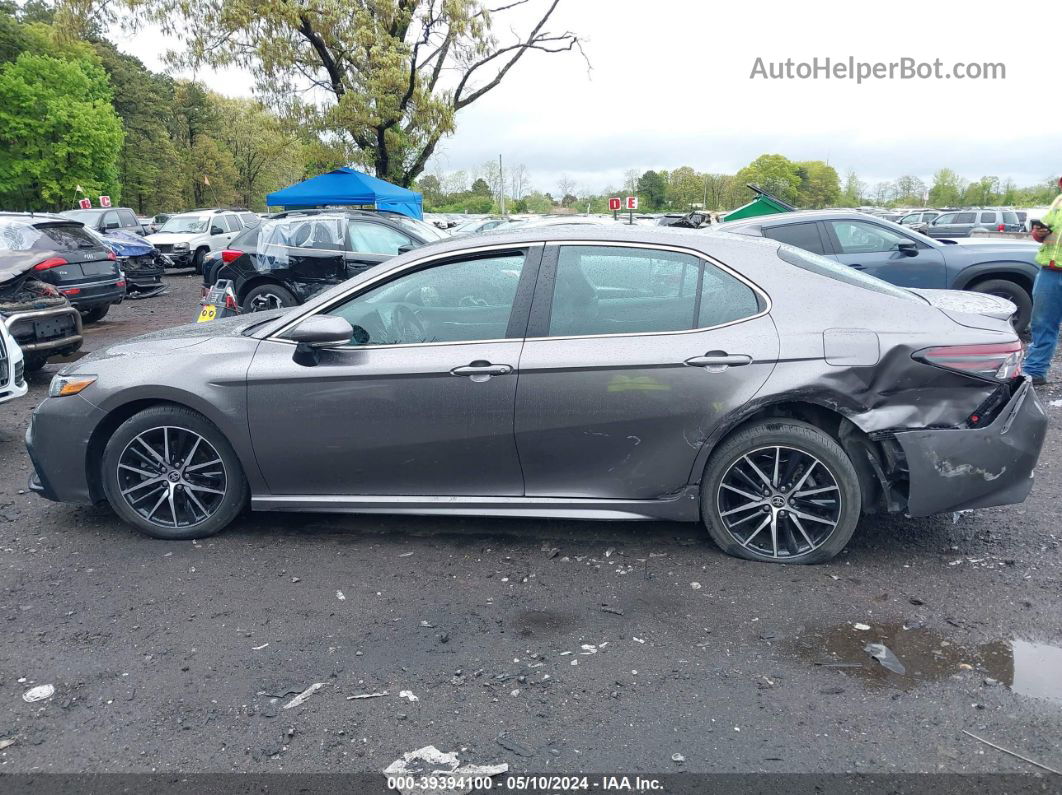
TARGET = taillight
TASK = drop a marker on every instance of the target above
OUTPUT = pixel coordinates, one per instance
(1001, 228)
(1000, 361)
(52, 262)
(230, 254)
(120, 283)
(71, 291)
(112, 256)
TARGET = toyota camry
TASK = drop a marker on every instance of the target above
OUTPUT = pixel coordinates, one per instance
(608, 373)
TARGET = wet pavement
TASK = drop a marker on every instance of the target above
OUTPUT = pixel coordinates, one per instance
(552, 646)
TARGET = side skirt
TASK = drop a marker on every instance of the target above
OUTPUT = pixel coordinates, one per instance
(683, 507)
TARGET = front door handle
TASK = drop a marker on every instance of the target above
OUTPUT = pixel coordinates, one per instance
(857, 266)
(718, 361)
(482, 371)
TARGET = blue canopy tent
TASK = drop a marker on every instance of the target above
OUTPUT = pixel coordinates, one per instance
(346, 186)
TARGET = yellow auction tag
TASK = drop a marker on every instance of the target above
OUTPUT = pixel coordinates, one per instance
(207, 313)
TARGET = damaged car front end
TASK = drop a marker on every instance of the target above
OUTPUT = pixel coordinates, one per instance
(141, 262)
(40, 320)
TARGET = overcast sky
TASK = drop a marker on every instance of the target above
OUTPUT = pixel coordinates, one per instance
(670, 86)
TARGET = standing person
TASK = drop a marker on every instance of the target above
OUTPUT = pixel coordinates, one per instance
(1047, 293)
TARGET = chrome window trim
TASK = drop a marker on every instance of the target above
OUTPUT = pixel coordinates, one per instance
(699, 255)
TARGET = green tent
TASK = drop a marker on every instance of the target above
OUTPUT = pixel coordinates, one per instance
(764, 204)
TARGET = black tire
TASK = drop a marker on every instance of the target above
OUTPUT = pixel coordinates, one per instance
(273, 295)
(1014, 293)
(800, 441)
(32, 364)
(178, 420)
(197, 259)
(95, 314)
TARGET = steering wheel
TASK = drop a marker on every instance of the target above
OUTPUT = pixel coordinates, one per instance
(471, 300)
(404, 325)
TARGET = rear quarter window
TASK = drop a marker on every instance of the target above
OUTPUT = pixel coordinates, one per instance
(65, 237)
(823, 266)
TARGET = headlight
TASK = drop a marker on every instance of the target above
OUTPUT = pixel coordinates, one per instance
(64, 385)
(180, 246)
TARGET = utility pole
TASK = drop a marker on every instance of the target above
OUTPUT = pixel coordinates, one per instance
(501, 185)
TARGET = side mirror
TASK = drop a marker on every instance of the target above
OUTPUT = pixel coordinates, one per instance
(315, 333)
(110, 225)
(216, 230)
(908, 248)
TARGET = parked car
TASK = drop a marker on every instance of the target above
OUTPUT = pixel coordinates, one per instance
(142, 264)
(187, 238)
(12, 367)
(475, 225)
(919, 219)
(964, 222)
(72, 258)
(108, 219)
(296, 254)
(604, 373)
(902, 256)
(40, 319)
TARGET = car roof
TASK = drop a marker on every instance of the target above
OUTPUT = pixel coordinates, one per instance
(37, 217)
(796, 217)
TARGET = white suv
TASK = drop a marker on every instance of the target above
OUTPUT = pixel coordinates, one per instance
(188, 237)
(12, 368)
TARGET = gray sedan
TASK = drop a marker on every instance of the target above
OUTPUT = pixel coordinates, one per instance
(601, 373)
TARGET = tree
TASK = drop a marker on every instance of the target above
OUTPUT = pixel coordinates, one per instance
(396, 72)
(538, 203)
(775, 174)
(819, 184)
(716, 188)
(947, 189)
(854, 188)
(265, 156)
(57, 130)
(481, 187)
(685, 188)
(565, 186)
(630, 181)
(652, 190)
(910, 190)
(518, 181)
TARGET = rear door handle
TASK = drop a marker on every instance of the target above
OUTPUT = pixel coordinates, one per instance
(482, 371)
(717, 361)
(857, 266)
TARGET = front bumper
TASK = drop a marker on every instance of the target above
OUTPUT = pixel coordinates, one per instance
(955, 470)
(57, 441)
(46, 330)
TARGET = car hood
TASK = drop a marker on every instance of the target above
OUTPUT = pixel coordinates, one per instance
(172, 237)
(126, 244)
(969, 308)
(992, 245)
(171, 339)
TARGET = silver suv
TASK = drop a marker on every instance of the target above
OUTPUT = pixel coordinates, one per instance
(964, 222)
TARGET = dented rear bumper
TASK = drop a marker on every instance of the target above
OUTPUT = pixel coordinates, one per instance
(957, 469)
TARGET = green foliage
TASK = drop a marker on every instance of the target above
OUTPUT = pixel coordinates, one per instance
(774, 173)
(652, 190)
(819, 185)
(947, 190)
(57, 129)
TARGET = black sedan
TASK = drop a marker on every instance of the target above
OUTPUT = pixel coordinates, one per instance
(293, 255)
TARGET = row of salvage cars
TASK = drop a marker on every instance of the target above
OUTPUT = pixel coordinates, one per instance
(599, 372)
(56, 275)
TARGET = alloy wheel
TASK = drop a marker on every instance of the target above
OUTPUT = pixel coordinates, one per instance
(266, 301)
(779, 501)
(172, 477)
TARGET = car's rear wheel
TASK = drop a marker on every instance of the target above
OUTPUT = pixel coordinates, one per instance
(197, 259)
(268, 296)
(1014, 293)
(781, 491)
(33, 363)
(95, 314)
(169, 472)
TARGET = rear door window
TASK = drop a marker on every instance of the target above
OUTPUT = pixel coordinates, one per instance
(626, 290)
(988, 218)
(805, 236)
(965, 218)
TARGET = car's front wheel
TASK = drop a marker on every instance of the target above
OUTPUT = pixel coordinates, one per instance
(169, 472)
(781, 491)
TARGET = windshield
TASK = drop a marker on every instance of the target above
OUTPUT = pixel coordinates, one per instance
(84, 216)
(185, 223)
(841, 273)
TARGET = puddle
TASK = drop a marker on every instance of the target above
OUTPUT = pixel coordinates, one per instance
(1027, 668)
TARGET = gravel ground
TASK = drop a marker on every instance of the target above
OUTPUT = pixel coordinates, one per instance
(553, 646)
